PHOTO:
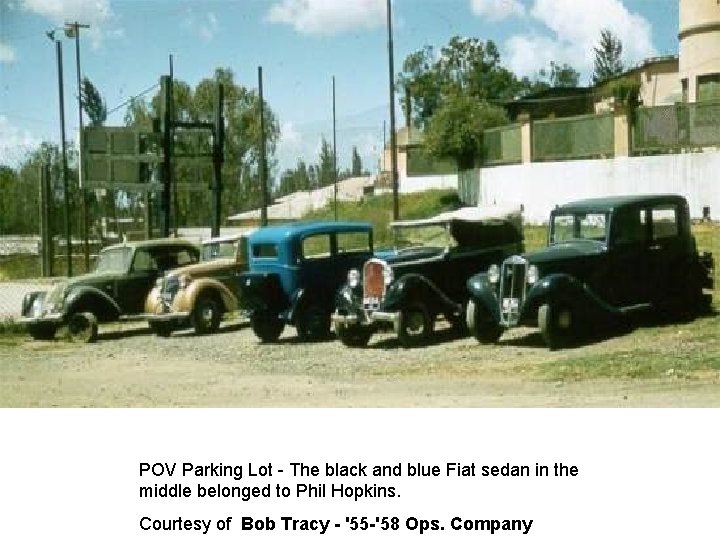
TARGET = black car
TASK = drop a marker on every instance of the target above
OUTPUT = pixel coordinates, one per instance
(124, 275)
(424, 276)
(605, 258)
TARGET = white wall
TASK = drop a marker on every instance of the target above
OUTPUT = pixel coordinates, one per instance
(413, 184)
(541, 186)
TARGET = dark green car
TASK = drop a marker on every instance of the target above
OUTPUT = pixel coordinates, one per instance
(124, 275)
(605, 258)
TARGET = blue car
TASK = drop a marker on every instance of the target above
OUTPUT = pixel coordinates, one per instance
(294, 272)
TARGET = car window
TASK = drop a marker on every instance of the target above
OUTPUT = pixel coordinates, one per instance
(265, 250)
(664, 222)
(316, 246)
(143, 262)
(591, 226)
(353, 242)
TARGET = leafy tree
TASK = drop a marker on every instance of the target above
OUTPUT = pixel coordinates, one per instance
(356, 163)
(92, 103)
(241, 186)
(465, 66)
(608, 57)
(455, 130)
(559, 76)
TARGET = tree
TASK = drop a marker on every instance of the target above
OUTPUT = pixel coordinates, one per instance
(326, 165)
(240, 176)
(356, 163)
(465, 66)
(560, 76)
(92, 103)
(455, 130)
(608, 57)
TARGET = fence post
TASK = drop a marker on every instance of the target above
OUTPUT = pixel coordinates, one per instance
(525, 137)
(621, 127)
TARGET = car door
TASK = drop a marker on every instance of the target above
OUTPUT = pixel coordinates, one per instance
(317, 271)
(627, 280)
(134, 286)
(667, 254)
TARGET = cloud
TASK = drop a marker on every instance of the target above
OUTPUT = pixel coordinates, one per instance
(15, 142)
(328, 17)
(96, 13)
(570, 30)
(7, 54)
(204, 26)
(289, 136)
(497, 10)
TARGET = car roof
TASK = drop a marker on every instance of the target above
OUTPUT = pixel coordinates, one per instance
(604, 204)
(155, 242)
(274, 233)
(228, 238)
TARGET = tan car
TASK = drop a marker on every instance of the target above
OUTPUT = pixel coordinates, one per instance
(199, 295)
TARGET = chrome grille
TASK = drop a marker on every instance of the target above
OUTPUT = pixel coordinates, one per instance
(373, 283)
(170, 287)
(513, 284)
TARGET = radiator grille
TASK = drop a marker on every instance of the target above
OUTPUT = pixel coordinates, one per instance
(373, 283)
(513, 284)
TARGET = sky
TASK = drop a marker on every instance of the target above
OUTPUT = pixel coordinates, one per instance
(301, 45)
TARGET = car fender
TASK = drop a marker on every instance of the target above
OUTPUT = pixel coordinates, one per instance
(202, 286)
(92, 300)
(262, 291)
(570, 289)
(483, 293)
(416, 287)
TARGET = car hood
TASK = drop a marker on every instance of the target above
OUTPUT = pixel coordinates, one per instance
(565, 251)
(420, 253)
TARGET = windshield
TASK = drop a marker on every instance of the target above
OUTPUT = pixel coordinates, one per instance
(113, 260)
(569, 227)
(426, 236)
(219, 250)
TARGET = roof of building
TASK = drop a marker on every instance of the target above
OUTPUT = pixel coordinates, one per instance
(155, 242)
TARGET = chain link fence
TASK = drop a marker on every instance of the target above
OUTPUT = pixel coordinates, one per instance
(577, 137)
(672, 128)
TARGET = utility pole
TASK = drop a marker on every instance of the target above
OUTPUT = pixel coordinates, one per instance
(66, 193)
(73, 30)
(335, 170)
(218, 143)
(263, 162)
(393, 141)
(167, 133)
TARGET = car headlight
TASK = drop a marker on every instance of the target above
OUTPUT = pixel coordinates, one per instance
(388, 274)
(493, 273)
(353, 278)
(532, 274)
(184, 281)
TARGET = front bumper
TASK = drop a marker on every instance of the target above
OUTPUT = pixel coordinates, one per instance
(49, 319)
(366, 318)
(176, 317)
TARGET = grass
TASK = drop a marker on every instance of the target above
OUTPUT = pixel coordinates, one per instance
(26, 266)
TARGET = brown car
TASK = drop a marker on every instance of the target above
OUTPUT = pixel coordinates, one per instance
(199, 295)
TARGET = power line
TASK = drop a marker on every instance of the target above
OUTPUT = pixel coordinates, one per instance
(130, 99)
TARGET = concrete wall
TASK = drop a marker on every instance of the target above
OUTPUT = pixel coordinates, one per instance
(413, 184)
(541, 186)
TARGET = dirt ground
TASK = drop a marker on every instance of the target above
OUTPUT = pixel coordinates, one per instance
(657, 365)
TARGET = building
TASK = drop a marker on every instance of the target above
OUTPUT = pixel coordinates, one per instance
(699, 66)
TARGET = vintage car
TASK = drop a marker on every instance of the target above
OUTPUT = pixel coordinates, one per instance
(424, 276)
(605, 258)
(295, 270)
(200, 294)
(115, 290)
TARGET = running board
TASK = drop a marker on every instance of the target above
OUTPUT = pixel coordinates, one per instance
(633, 309)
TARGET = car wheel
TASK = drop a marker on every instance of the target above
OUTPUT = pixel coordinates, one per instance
(161, 329)
(557, 324)
(206, 314)
(415, 325)
(83, 327)
(313, 323)
(481, 325)
(42, 332)
(267, 326)
(357, 336)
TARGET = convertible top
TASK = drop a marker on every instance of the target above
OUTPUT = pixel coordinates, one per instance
(470, 214)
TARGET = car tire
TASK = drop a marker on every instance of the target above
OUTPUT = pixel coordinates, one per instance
(161, 329)
(313, 323)
(266, 326)
(557, 324)
(83, 327)
(206, 314)
(481, 325)
(415, 325)
(354, 336)
(42, 332)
